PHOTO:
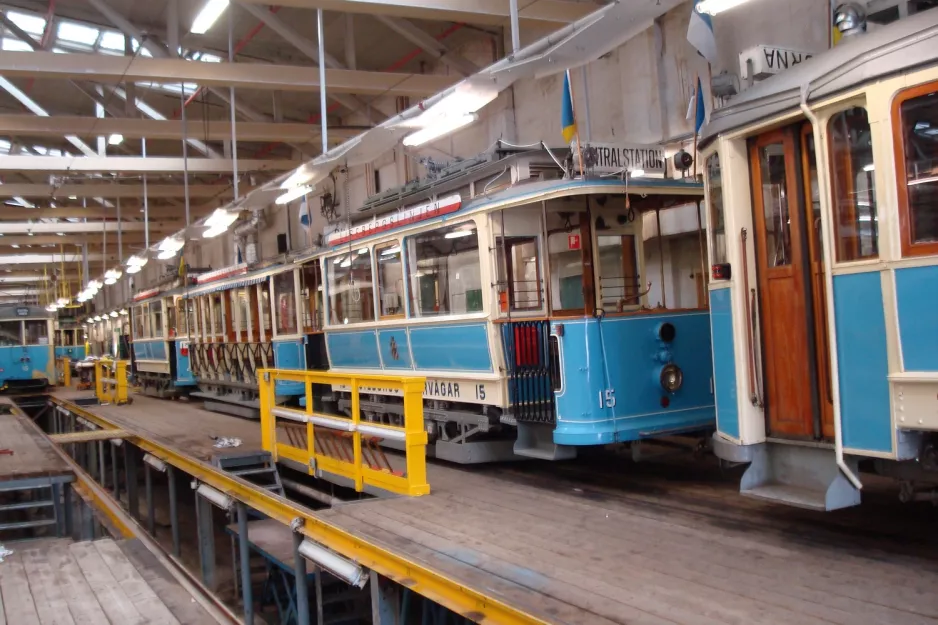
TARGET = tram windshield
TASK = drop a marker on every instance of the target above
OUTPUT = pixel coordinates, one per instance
(37, 332)
(10, 333)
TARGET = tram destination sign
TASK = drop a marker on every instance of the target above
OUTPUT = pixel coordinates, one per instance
(609, 158)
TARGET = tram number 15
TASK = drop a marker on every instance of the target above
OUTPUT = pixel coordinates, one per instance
(607, 398)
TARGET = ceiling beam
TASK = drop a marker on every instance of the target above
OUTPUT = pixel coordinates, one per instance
(111, 69)
(137, 164)
(71, 241)
(554, 12)
(68, 227)
(211, 130)
(429, 44)
(53, 258)
(221, 192)
(95, 212)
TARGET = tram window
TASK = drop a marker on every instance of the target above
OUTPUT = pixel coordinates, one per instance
(311, 293)
(565, 262)
(351, 299)
(445, 271)
(156, 319)
(265, 306)
(618, 271)
(37, 332)
(675, 275)
(11, 333)
(243, 304)
(171, 318)
(715, 203)
(177, 324)
(390, 280)
(522, 290)
(145, 316)
(775, 203)
(284, 290)
(205, 317)
(218, 315)
(853, 185)
(192, 325)
(917, 129)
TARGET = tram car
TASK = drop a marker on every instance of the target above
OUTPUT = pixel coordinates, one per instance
(160, 342)
(70, 342)
(823, 199)
(246, 319)
(546, 312)
(27, 359)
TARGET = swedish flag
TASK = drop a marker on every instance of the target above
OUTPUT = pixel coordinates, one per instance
(567, 120)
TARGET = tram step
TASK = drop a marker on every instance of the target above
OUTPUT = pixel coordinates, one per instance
(802, 476)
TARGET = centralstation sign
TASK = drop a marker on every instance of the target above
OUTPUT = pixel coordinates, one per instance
(614, 158)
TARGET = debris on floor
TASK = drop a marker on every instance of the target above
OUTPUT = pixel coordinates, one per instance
(223, 442)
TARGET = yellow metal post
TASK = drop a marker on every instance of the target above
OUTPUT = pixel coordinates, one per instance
(99, 380)
(268, 425)
(357, 436)
(416, 437)
(310, 432)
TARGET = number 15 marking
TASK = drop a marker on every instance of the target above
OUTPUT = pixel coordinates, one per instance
(607, 398)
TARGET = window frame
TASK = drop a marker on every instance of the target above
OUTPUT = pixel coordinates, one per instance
(376, 254)
(412, 264)
(22, 333)
(908, 247)
(276, 292)
(327, 300)
(711, 211)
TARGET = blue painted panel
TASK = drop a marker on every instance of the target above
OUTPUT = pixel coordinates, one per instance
(724, 359)
(184, 375)
(289, 355)
(158, 350)
(861, 355)
(395, 348)
(73, 352)
(624, 355)
(917, 298)
(353, 349)
(27, 362)
(451, 348)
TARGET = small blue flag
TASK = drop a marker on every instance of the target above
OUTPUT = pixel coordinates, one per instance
(701, 114)
(567, 120)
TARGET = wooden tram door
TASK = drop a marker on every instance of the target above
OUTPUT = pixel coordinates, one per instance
(787, 266)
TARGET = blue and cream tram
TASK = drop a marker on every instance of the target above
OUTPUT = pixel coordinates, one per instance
(27, 359)
(546, 313)
(160, 340)
(70, 341)
(823, 195)
(244, 320)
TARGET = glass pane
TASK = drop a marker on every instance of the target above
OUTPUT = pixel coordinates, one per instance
(715, 202)
(265, 305)
(206, 316)
(145, 309)
(618, 272)
(815, 198)
(311, 295)
(775, 205)
(920, 141)
(565, 260)
(351, 298)
(853, 185)
(138, 322)
(156, 319)
(244, 308)
(390, 280)
(522, 291)
(37, 332)
(193, 324)
(10, 333)
(33, 24)
(218, 318)
(171, 317)
(445, 272)
(78, 33)
(284, 285)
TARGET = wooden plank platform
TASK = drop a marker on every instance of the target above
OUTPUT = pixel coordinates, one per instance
(57, 582)
(176, 423)
(33, 455)
(87, 436)
(604, 540)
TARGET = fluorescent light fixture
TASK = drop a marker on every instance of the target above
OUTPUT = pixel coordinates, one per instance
(73, 197)
(207, 17)
(213, 232)
(137, 261)
(123, 311)
(171, 243)
(347, 262)
(343, 568)
(718, 6)
(869, 167)
(110, 281)
(62, 301)
(458, 234)
(16, 246)
(114, 313)
(391, 251)
(218, 498)
(134, 269)
(294, 193)
(115, 139)
(638, 173)
(97, 317)
(51, 307)
(155, 462)
(113, 273)
(362, 251)
(438, 129)
(61, 234)
(218, 222)
(166, 254)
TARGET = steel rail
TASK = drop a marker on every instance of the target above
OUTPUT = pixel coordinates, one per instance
(473, 604)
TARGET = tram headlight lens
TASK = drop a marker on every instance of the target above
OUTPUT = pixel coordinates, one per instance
(671, 378)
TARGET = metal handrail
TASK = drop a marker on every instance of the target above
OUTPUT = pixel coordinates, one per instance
(347, 446)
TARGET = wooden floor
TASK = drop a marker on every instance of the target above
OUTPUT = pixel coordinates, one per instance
(177, 423)
(604, 540)
(104, 582)
(33, 455)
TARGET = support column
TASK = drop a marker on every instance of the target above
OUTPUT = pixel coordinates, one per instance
(114, 476)
(67, 507)
(206, 532)
(58, 508)
(244, 548)
(385, 601)
(148, 493)
(102, 469)
(87, 520)
(130, 472)
(299, 574)
(173, 514)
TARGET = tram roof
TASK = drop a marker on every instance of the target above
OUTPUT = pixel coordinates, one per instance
(903, 45)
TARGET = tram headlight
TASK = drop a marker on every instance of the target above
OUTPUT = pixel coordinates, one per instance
(671, 378)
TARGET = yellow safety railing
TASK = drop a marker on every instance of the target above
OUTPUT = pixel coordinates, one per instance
(111, 381)
(63, 371)
(348, 446)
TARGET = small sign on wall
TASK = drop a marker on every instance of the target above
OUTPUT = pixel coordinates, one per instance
(573, 241)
